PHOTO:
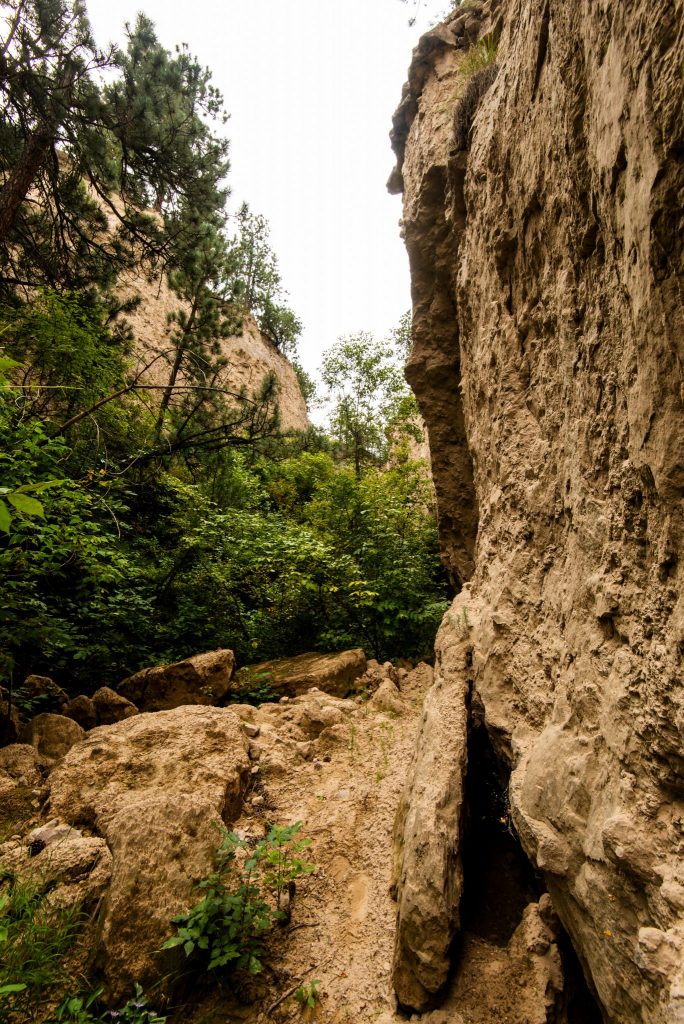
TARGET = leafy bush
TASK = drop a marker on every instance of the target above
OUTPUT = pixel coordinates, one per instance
(229, 925)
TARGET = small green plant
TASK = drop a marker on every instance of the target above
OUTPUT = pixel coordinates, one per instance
(460, 622)
(307, 994)
(256, 688)
(479, 56)
(35, 938)
(386, 739)
(79, 1010)
(228, 927)
(352, 740)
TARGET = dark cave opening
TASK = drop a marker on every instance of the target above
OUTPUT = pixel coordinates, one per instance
(500, 881)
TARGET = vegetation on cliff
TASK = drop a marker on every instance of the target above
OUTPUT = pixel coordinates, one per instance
(144, 519)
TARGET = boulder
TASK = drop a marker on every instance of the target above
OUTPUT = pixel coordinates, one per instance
(74, 869)
(387, 698)
(313, 716)
(202, 679)
(52, 735)
(45, 690)
(547, 366)
(155, 786)
(333, 673)
(111, 707)
(10, 724)
(20, 764)
(83, 711)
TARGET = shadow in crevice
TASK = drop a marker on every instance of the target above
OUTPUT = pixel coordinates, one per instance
(500, 881)
(578, 1003)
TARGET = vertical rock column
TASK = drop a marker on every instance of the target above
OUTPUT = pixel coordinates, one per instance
(428, 840)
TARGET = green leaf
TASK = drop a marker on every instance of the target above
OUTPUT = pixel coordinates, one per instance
(5, 517)
(6, 989)
(22, 502)
(38, 487)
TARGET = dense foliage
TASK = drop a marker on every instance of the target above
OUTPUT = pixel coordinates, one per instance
(148, 516)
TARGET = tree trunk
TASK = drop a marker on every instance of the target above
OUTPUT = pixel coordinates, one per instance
(175, 369)
(24, 173)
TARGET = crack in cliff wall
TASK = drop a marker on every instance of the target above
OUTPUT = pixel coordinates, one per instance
(547, 281)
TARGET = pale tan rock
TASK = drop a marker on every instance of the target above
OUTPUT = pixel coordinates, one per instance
(547, 270)
(111, 707)
(249, 355)
(333, 673)
(21, 763)
(387, 698)
(201, 679)
(333, 736)
(52, 735)
(72, 868)
(314, 716)
(428, 874)
(374, 675)
(154, 786)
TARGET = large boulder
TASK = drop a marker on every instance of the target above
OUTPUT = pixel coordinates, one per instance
(45, 692)
(547, 274)
(202, 679)
(20, 764)
(111, 707)
(83, 711)
(154, 786)
(52, 735)
(290, 677)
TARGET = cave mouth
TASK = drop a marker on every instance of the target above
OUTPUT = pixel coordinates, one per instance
(499, 881)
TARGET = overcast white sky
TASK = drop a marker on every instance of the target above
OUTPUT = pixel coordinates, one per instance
(311, 86)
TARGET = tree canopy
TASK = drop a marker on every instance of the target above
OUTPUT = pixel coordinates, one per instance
(149, 506)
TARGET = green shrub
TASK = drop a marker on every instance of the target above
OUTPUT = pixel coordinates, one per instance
(229, 925)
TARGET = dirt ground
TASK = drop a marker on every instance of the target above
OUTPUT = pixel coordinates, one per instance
(344, 785)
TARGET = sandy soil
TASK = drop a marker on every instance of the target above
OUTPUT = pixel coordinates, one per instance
(345, 786)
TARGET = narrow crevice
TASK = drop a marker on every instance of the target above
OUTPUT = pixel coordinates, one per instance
(579, 1005)
(499, 880)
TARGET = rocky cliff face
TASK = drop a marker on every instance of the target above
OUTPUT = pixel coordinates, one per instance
(544, 222)
(250, 355)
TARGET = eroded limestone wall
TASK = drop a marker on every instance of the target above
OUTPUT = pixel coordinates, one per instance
(549, 334)
(250, 356)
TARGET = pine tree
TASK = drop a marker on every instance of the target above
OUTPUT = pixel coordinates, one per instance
(82, 165)
(259, 285)
(50, 228)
